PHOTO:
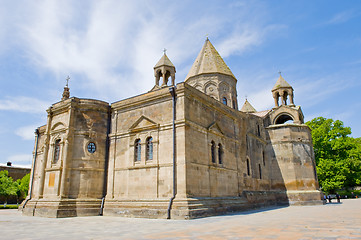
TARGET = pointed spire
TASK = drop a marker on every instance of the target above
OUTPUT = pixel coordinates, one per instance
(209, 61)
(164, 61)
(281, 83)
(247, 107)
(66, 92)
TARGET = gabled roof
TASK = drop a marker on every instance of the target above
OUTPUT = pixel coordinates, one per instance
(261, 113)
(247, 107)
(209, 61)
(281, 83)
(164, 61)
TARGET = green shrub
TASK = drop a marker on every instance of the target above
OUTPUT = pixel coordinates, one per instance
(348, 193)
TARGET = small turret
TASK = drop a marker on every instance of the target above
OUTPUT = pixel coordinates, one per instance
(282, 90)
(164, 69)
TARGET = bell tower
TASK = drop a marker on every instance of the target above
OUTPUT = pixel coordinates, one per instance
(282, 90)
(163, 70)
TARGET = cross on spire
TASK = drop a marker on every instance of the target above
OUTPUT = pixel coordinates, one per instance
(279, 72)
(164, 50)
(67, 81)
(207, 36)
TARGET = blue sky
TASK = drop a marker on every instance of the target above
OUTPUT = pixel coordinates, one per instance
(109, 48)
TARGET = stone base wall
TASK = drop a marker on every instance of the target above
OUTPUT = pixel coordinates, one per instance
(313, 197)
(182, 208)
(156, 208)
(190, 208)
(62, 208)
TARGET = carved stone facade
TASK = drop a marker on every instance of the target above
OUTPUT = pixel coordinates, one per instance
(93, 158)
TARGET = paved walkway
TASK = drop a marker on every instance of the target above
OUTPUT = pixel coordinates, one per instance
(331, 221)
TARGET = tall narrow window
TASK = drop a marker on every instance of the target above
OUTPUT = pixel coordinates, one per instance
(234, 104)
(213, 152)
(248, 172)
(224, 100)
(247, 143)
(220, 154)
(56, 151)
(137, 150)
(149, 148)
(260, 171)
(258, 131)
(263, 158)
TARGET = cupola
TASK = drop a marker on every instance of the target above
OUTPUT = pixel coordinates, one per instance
(163, 70)
(282, 90)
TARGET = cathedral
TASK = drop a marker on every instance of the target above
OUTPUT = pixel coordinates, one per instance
(179, 151)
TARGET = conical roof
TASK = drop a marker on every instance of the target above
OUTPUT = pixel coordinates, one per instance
(209, 61)
(164, 61)
(281, 83)
(247, 107)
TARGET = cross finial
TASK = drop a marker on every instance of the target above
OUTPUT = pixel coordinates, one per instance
(246, 97)
(164, 50)
(279, 72)
(67, 81)
(207, 36)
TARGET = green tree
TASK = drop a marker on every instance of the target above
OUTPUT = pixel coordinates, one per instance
(337, 155)
(7, 186)
(23, 187)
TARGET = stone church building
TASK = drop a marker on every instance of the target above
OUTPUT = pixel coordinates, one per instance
(178, 151)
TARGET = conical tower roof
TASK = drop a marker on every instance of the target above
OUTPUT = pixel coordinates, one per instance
(209, 61)
(281, 83)
(164, 61)
(247, 107)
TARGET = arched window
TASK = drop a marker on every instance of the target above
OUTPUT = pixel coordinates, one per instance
(220, 154)
(260, 172)
(137, 150)
(224, 100)
(56, 151)
(248, 171)
(213, 152)
(149, 151)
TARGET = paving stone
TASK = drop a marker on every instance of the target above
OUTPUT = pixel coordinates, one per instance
(331, 221)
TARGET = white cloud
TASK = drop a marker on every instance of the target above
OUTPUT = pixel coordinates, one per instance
(261, 100)
(341, 17)
(26, 132)
(245, 38)
(23, 160)
(23, 104)
(309, 89)
(110, 47)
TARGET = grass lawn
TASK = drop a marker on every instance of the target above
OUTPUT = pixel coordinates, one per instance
(9, 206)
